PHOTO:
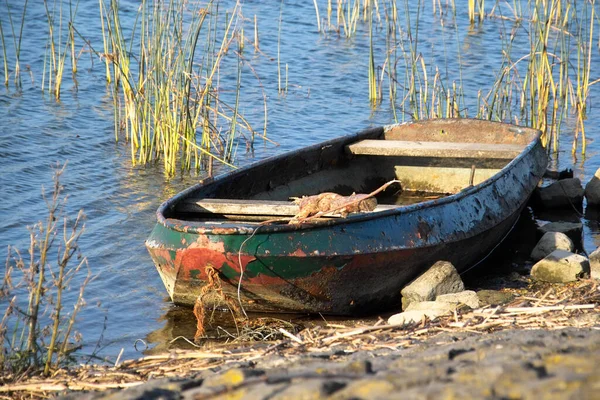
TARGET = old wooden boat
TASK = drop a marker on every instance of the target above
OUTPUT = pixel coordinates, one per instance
(482, 174)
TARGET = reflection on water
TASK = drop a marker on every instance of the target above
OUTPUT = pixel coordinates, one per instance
(177, 322)
(328, 81)
(180, 323)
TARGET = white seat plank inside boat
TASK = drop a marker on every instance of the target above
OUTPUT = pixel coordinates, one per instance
(249, 207)
(404, 148)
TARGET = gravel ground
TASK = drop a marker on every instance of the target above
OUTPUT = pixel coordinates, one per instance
(508, 364)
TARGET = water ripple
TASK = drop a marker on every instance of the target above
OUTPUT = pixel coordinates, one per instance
(326, 97)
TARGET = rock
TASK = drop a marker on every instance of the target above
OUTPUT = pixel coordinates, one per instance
(573, 230)
(312, 389)
(592, 190)
(466, 297)
(418, 310)
(434, 307)
(565, 193)
(366, 389)
(441, 278)
(232, 377)
(549, 242)
(406, 317)
(561, 266)
(512, 363)
(494, 297)
(416, 316)
(595, 264)
(163, 388)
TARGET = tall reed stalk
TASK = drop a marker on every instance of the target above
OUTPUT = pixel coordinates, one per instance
(373, 95)
(584, 66)
(59, 45)
(423, 92)
(476, 10)
(105, 56)
(279, 86)
(168, 89)
(17, 39)
(540, 84)
(4, 54)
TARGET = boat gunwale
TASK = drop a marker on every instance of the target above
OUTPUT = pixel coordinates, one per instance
(242, 227)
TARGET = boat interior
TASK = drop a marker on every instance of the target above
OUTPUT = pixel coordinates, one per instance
(431, 159)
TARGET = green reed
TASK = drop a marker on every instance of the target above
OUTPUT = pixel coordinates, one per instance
(256, 44)
(415, 88)
(584, 60)
(43, 337)
(537, 89)
(545, 84)
(59, 45)
(476, 10)
(279, 86)
(5, 56)
(17, 38)
(169, 90)
(373, 95)
(106, 54)
(422, 92)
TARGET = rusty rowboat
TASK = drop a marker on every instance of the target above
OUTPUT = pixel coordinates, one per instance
(482, 174)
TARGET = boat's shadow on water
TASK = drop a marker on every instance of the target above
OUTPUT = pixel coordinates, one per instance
(509, 265)
(507, 262)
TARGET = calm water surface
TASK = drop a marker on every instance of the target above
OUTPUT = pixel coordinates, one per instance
(327, 97)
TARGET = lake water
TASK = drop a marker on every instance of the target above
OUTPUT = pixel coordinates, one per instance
(327, 96)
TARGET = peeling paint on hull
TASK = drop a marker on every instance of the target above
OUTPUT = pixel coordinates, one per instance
(343, 266)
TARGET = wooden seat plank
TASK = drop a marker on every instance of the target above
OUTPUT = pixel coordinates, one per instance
(249, 207)
(434, 149)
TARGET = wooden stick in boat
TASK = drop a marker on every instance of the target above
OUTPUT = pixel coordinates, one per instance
(472, 177)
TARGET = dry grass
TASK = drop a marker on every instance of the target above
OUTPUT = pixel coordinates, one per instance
(37, 334)
(538, 307)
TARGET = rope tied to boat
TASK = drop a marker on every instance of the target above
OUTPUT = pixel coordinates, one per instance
(214, 288)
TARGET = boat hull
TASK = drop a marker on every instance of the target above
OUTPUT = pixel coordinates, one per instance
(352, 266)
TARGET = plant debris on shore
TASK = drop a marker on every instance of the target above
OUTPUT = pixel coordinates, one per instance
(540, 306)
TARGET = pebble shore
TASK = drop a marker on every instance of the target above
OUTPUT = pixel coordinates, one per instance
(508, 364)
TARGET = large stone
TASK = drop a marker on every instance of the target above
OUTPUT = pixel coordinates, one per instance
(565, 193)
(549, 242)
(561, 266)
(573, 230)
(418, 311)
(441, 278)
(592, 190)
(595, 264)
(444, 304)
(466, 297)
